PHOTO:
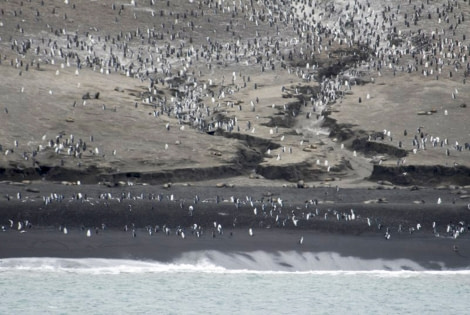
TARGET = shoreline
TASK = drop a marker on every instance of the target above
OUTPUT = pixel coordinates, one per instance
(339, 227)
(236, 249)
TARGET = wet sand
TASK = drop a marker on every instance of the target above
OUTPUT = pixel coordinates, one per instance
(427, 251)
(323, 218)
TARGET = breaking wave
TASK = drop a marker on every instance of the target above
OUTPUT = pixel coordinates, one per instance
(257, 262)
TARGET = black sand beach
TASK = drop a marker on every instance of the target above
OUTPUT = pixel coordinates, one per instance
(427, 251)
(322, 215)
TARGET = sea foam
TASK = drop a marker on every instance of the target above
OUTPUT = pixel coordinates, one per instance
(102, 266)
(257, 262)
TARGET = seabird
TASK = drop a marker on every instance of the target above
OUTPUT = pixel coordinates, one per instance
(387, 235)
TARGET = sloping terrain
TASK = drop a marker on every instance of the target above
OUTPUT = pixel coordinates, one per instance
(266, 92)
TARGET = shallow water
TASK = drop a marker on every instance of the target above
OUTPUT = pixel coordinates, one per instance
(103, 286)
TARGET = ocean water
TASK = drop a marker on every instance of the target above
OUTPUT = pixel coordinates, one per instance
(105, 286)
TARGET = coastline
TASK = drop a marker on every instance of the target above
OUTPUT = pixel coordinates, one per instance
(332, 239)
(265, 250)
